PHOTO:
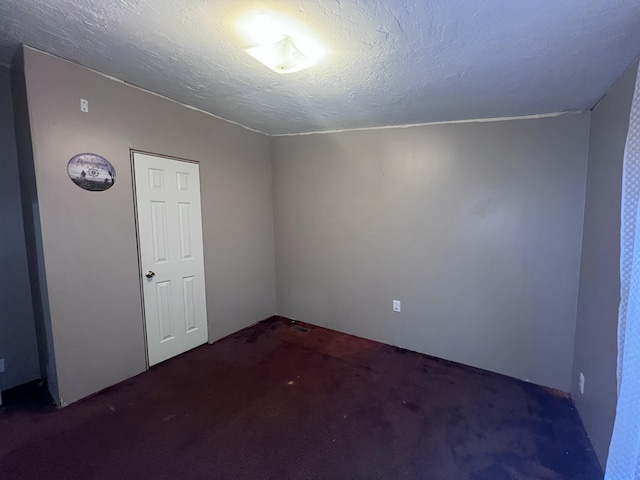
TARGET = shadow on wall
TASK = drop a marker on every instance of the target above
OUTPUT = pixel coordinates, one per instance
(18, 345)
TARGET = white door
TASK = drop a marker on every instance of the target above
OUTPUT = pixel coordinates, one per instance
(171, 258)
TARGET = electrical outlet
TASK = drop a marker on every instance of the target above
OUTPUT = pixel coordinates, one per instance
(84, 105)
(1, 365)
(396, 306)
(581, 383)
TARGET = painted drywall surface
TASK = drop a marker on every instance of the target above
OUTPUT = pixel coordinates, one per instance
(388, 62)
(599, 295)
(17, 328)
(475, 228)
(32, 227)
(89, 238)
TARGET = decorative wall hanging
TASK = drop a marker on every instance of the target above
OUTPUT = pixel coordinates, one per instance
(91, 172)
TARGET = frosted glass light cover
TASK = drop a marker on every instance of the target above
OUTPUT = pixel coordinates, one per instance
(282, 56)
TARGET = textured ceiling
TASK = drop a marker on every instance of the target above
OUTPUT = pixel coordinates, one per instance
(389, 62)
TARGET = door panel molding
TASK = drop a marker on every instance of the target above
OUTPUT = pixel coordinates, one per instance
(171, 254)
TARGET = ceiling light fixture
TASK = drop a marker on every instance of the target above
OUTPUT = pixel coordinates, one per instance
(282, 56)
(279, 43)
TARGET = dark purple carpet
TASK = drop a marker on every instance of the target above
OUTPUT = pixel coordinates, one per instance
(270, 402)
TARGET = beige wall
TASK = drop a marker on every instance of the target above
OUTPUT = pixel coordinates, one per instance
(89, 238)
(599, 298)
(475, 227)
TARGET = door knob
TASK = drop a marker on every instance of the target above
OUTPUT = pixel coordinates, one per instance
(150, 274)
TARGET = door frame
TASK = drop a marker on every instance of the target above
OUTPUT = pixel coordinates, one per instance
(132, 152)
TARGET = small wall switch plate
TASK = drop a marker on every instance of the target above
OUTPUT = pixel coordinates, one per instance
(581, 383)
(1, 365)
(396, 305)
(84, 105)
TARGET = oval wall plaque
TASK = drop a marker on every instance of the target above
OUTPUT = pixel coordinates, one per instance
(91, 172)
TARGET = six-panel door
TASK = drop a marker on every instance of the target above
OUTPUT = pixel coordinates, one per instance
(171, 255)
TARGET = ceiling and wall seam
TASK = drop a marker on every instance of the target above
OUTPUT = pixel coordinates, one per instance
(613, 85)
(137, 87)
(449, 122)
(385, 127)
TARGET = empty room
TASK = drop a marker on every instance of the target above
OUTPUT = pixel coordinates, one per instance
(320, 239)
